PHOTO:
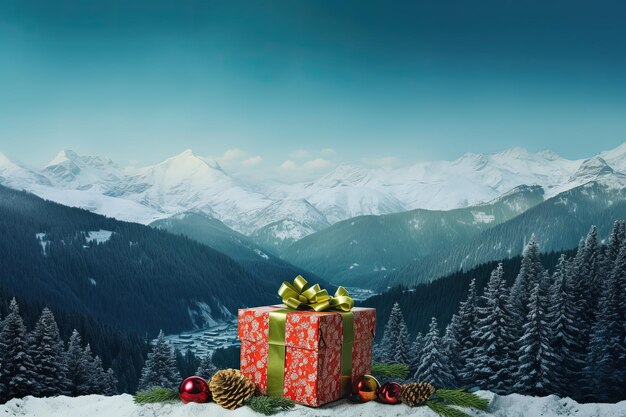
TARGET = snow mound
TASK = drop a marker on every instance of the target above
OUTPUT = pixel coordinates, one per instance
(123, 406)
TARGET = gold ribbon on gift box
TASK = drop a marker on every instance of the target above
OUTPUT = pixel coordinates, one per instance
(301, 296)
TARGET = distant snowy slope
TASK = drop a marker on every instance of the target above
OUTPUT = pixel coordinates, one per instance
(69, 170)
(280, 214)
(123, 406)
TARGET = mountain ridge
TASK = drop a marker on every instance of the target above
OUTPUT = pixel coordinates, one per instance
(188, 182)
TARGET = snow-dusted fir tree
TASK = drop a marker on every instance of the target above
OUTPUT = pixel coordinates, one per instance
(433, 367)
(78, 366)
(604, 370)
(534, 351)
(493, 336)
(160, 368)
(464, 329)
(565, 342)
(530, 274)
(585, 273)
(403, 345)
(389, 343)
(48, 353)
(592, 259)
(3, 392)
(98, 379)
(450, 347)
(18, 372)
(111, 383)
(206, 369)
(416, 353)
(613, 245)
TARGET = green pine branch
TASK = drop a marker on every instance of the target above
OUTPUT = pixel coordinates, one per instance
(390, 370)
(269, 405)
(444, 410)
(462, 398)
(155, 395)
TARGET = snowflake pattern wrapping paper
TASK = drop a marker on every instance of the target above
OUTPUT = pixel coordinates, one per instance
(313, 343)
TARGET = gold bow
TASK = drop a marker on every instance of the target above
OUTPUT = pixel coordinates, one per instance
(301, 296)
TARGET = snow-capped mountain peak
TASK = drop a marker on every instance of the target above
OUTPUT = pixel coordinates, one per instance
(345, 175)
(6, 163)
(515, 153)
(592, 168)
(73, 171)
(17, 176)
(62, 157)
(188, 181)
(616, 157)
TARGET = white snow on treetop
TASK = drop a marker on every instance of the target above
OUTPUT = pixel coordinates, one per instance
(123, 406)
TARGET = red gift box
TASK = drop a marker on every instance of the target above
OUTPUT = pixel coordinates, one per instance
(313, 348)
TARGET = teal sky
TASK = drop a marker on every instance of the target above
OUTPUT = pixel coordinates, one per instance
(386, 82)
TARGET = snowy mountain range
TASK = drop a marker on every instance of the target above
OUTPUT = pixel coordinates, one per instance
(280, 214)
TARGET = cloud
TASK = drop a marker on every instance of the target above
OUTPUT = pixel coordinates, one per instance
(328, 152)
(231, 155)
(300, 154)
(317, 163)
(288, 164)
(252, 161)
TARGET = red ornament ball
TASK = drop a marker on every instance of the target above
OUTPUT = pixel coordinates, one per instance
(194, 390)
(389, 393)
(364, 389)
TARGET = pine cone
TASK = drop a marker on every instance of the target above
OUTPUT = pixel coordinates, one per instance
(416, 393)
(230, 388)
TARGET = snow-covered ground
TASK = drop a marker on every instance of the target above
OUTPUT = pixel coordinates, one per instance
(123, 406)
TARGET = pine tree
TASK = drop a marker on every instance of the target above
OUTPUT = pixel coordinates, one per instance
(565, 339)
(97, 377)
(416, 353)
(620, 271)
(3, 391)
(377, 352)
(433, 367)
(19, 375)
(450, 347)
(604, 368)
(534, 345)
(78, 367)
(464, 331)
(160, 368)
(585, 283)
(111, 383)
(530, 274)
(403, 346)
(389, 343)
(48, 354)
(206, 369)
(493, 335)
(592, 259)
(612, 248)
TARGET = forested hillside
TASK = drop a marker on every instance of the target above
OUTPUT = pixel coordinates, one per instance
(215, 234)
(123, 352)
(440, 298)
(129, 276)
(364, 250)
(558, 223)
(555, 331)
